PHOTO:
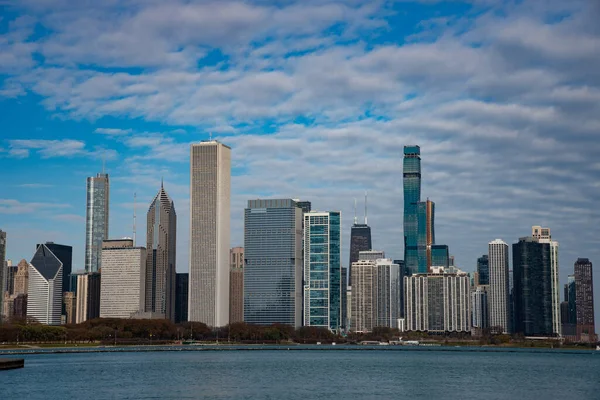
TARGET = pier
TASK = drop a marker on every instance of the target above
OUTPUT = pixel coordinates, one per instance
(11, 363)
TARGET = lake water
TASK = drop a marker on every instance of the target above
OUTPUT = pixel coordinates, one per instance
(308, 374)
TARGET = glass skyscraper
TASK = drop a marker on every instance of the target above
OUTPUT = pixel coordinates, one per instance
(483, 269)
(273, 262)
(322, 270)
(412, 196)
(96, 223)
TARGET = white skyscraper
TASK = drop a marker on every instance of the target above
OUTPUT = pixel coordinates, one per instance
(210, 197)
(498, 298)
(45, 287)
(388, 292)
(123, 277)
(543, 236)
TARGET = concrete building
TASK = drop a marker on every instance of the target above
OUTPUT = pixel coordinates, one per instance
(182, 284)
(44, 302)
(323, 270)
(123, 279)
(584, 300)
(438, 303)
(236, 285)
(70, 305)
(210, 198)
(388, 285)
(96, 221)
(363, 315)
(543, 236)
(159, 292)
(499, 305)
(273, 262)
(88, 296)
(479, 307)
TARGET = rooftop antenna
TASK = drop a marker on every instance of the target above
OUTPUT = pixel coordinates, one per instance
(134, 217)
(365, 207)
(162, 182)
(355, 220)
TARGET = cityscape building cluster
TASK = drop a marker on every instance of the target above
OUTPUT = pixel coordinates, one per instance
(290, 269)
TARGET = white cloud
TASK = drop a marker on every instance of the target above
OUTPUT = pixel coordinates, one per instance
(21, 148)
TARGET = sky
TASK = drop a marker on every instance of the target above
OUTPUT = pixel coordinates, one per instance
(316, 98)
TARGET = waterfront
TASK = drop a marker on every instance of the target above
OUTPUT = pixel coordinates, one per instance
(451, 373)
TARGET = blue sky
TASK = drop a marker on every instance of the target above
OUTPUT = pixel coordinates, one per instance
(316, 98)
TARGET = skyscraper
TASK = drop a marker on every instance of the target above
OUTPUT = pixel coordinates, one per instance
(273, 262)
(412, 196)
(236, 285)
(543, 236)
(426, 234)
(569, 310)
(10, 270)
(363, 317)
(182, 284)
(499, 295)
(360, 239)
(96, 222)
(210, 198)
(159, 292)
(65, 255)
(388, 293)
(2, 270)
(45, 287)
(480, 308)
(70, 305)
(584, 300)
(483, 269)
(532, 277)
(322, 270)
(88, 296)
(123, 277)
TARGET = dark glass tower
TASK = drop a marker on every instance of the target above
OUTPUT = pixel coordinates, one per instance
(483, 269)
(532, 288)
(360, 240)
(65, 255)
(412, 196)
(181, 297)
(584, 300)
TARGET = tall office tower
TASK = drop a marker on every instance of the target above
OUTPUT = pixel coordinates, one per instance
(543, 236)
(122, 287)
(371, 255)
(569, 309)
(182, 284)
(65, 255)
(210, 198)
(360, 239)
(70, 304)
(479, 307)
(584, 300)
(483, 269)
(44, 289)
(88, 296)
(499, 296)
(236, 285)
(438, 302)
(322, 270)
(388, 293)
(412, 196)
(425, 234)
(363, 317)
(273, 262)
(2, 269)
(159, 292)
(10, 271)
(96, 220)
(532, 277)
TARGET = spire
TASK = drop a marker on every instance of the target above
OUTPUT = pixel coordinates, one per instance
(365, 207)
(355, 220)
(162, 186)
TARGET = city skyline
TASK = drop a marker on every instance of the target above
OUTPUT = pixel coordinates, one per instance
(492, 156)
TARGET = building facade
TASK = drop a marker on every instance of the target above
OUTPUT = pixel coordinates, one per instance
(543, 236)
(44, 302)
(182, 283)
(161, 240)
(363, 315)
(479, 307)
(532, 277)
(483, 269)
(236, 285)
(88, 297)
(10, 270)
(70, 305)
(96, 222)
(388, 294)
(210, 202)
(499, 305)
(273, 262)
(360, 240)
(584, 300)
(412, 196)
(122, 287)
(322, 270)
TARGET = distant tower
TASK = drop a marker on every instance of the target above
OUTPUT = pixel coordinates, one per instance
(584, 300)
(412, 196)
(210, 198)
(498, 297)
(236, 285)
(483, 269)
(96, 222)
(161, 250)
(360, 239)
(543, 235)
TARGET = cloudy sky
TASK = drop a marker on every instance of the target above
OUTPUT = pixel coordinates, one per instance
(317, 99)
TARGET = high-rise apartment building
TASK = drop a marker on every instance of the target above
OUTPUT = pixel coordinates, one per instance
(273, 262)
(412, 196)
(438, 302)
(236, 285)
(96, 222)
(159, 292)
(584, 300)
(483, 269)
(322, 270)
(543, 236)
(479, 307)
(388, 285)
(45, 287)
(210, 198)
(182, 284)
(532, 275)
(122, 287)
(88, 296)
(2, 270)
(363, 315)
(499, 305)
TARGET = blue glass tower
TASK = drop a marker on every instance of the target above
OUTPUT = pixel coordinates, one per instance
(412, 196)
